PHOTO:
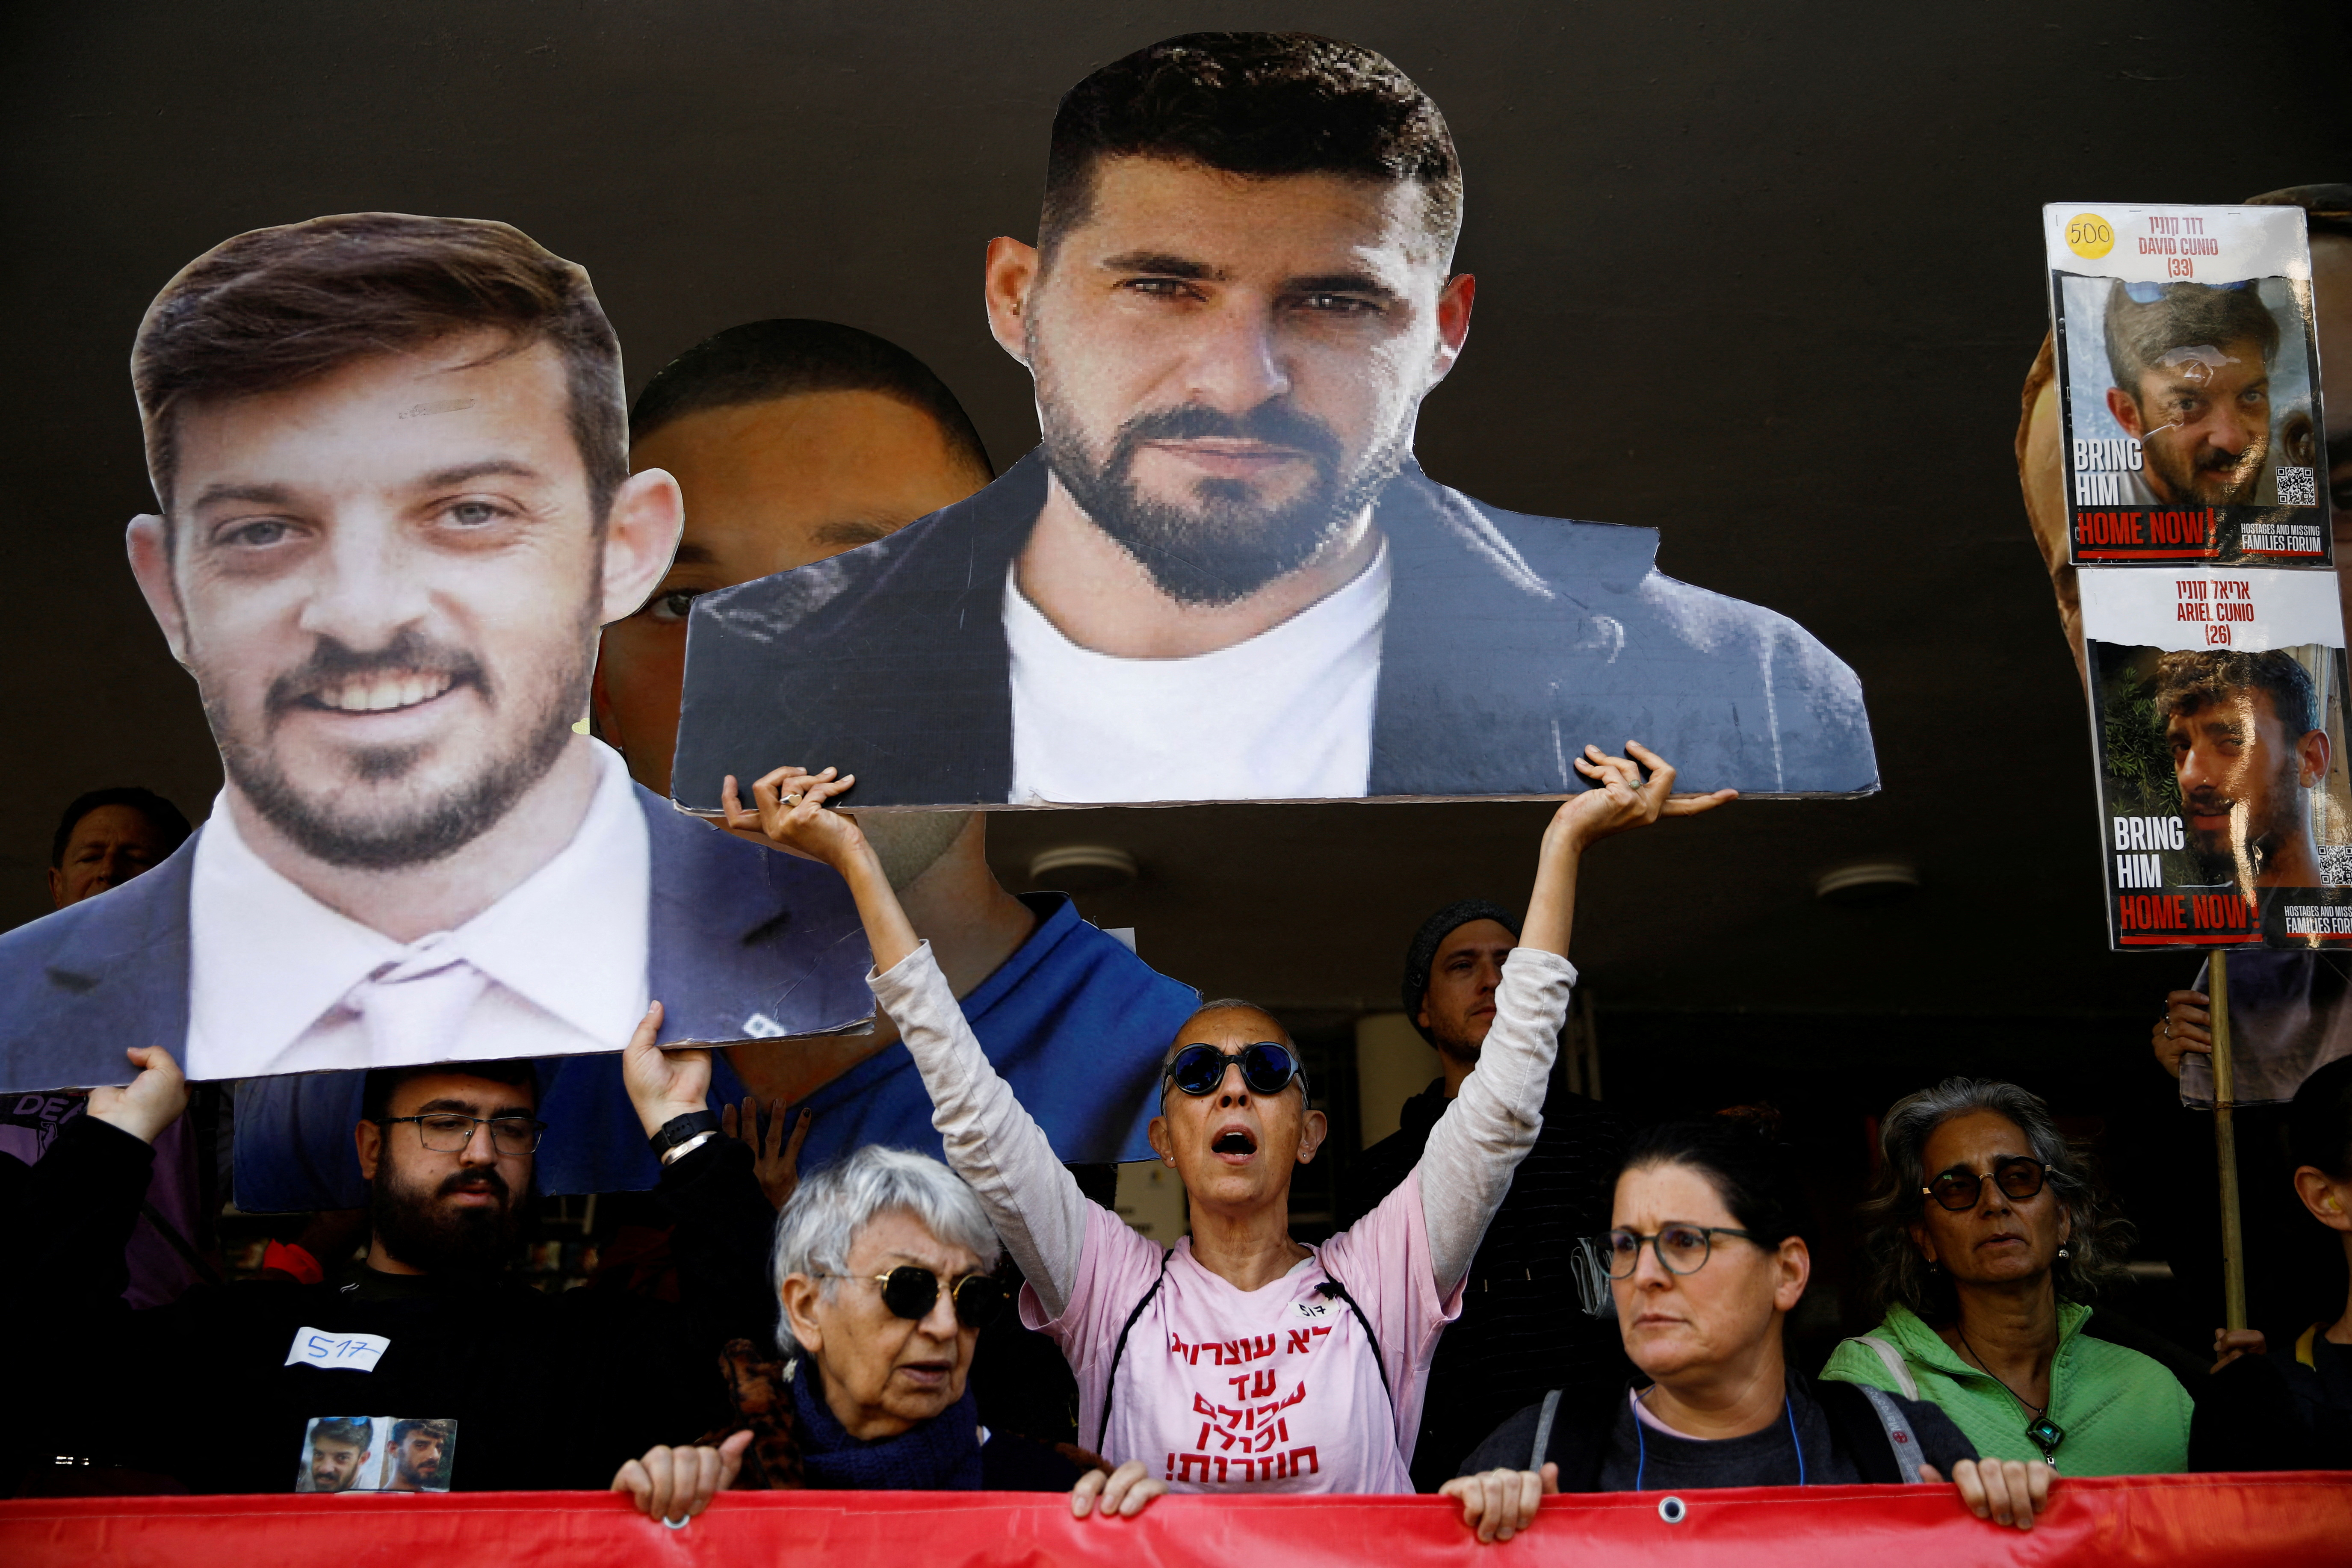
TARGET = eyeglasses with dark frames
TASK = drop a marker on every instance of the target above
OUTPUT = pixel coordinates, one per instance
(2018, 1176)
(1681, 1248)
(449, 1132)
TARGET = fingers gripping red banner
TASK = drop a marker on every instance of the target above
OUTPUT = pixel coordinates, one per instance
(2293, 1520)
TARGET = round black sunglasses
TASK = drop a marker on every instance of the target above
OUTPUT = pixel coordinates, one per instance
(910, 1291)
(1267, 1068)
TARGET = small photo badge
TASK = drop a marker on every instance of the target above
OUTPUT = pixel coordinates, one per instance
(338, 1455)
(377, 1454)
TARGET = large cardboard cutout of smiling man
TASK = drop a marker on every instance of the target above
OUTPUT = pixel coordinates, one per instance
(391, 456)
(1222, 576)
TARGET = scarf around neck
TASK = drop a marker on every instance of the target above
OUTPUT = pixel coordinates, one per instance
(938, 1455)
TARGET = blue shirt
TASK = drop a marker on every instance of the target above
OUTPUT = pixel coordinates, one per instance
(1075, 1021)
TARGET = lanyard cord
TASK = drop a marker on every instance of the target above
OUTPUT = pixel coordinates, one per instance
(1641, 1450)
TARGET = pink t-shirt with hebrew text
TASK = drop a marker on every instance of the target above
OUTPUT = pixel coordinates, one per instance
(1272, 1390)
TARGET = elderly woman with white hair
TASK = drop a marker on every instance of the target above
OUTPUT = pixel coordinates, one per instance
(884, 1263)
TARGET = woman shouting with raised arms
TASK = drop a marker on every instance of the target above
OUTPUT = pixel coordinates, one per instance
(1241, 1359)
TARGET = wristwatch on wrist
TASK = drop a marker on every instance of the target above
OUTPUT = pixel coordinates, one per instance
(682, 1134)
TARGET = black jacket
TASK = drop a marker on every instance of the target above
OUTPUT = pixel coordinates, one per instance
(1522, 1325)
(548, 1392)
(1511, 641)
(1860, 1451)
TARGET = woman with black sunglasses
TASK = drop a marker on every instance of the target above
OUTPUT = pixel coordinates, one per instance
(1241, 1361)
(885, 1265)
(1988, 1242)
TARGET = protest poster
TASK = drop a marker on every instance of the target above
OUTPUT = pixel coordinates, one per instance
(1223, 575)
(2189, 384)
(2217, 720)
(377, 1454)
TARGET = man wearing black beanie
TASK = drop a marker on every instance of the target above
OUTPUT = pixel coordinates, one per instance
(1522, 1323)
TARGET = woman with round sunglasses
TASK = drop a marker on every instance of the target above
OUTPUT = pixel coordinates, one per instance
(1705, 1262)
(1241, 1359)
(1988, 1242)
(884, 1263)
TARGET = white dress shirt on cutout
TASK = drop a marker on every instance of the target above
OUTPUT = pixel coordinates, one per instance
(1286, 715)
(281, 983)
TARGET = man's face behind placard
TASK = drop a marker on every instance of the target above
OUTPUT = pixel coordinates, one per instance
(770, 486)
(1228, 368)
(386, 581)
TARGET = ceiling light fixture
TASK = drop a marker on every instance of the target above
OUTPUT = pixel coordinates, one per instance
(1876, 882)
(1082, 868)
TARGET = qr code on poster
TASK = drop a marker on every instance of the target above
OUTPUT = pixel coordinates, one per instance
(2295, 487)
(2335, 865)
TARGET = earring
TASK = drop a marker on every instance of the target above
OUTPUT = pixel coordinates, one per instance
(2064, 1253)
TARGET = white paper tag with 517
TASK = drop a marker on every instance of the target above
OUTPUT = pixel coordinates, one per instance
(354, 1353)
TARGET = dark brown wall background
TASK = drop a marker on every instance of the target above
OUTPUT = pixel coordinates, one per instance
(1768, 278)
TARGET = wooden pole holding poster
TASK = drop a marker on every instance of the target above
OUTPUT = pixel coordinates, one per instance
(2225, 1144)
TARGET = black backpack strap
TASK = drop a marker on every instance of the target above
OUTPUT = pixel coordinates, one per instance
(1899, 1433)
(1867, 1431)
(1331, 1290)
(1544, 1418)
(1119, 1351)
(1580, 1429)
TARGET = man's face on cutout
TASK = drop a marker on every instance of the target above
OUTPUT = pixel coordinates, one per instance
(419, 1459)
(335, 1463)
(2202, 417)
(387, 583)
(107, 847)
(1228, 369)
(769, 486)
(2243, 777)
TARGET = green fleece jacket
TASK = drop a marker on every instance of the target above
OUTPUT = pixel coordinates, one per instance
(2124, 1414)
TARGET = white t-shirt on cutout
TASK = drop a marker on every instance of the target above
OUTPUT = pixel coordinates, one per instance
(1286, 715)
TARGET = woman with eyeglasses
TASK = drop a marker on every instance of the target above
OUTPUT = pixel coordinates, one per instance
(1987, 1242)
(1241, 1361)
(1705, 1262)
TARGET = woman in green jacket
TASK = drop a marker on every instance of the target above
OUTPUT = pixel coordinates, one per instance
(1987, 1240)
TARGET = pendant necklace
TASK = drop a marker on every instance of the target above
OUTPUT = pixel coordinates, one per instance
(2042, 1432)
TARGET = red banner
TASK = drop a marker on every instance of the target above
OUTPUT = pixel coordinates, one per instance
(2295, 1520)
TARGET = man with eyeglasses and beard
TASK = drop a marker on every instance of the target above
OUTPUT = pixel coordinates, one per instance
(1223, 576)
(428, 1323)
